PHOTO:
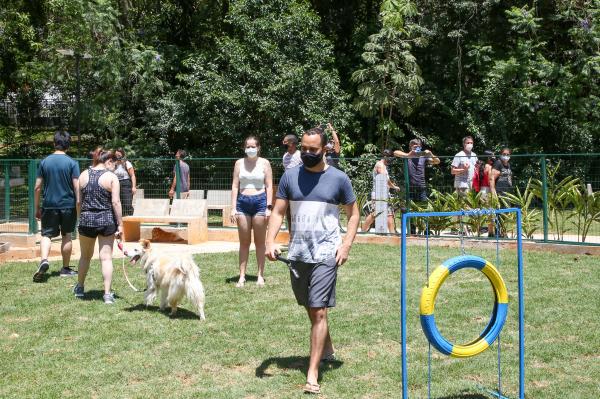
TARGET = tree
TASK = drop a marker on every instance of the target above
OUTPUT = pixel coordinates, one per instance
(388, 85)
(270, 74)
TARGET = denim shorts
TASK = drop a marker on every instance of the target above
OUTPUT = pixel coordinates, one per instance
(252, 205)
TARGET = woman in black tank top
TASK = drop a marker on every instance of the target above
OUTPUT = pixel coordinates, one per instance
(100, 217)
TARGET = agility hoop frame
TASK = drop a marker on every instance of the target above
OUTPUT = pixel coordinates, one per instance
(521, 297)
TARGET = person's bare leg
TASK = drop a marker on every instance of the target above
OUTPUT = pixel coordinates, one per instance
(318, 335)
(66, 248)
(328, 348)
(259, 225)
(45, 244)
(105, 249)
(391, 224)
(368, 222)
(87, 250)
(245, 236)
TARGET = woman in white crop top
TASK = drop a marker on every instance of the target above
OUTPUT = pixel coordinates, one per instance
(252, 194)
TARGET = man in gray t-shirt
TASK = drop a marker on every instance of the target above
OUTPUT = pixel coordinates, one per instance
(313, 192)
(184, 173)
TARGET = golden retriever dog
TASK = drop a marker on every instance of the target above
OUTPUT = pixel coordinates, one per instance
(171, 275)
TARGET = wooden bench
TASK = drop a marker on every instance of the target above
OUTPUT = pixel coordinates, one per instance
(220, 199)
(189, 211)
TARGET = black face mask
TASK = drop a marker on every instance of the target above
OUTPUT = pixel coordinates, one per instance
(389, 160)
(284, 147)
(311, 160)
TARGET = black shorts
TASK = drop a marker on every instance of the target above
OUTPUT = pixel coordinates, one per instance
(316, 286)
(93, 232)
(58, 221)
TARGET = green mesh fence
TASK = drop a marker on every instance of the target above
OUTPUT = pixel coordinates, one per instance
(560, 193)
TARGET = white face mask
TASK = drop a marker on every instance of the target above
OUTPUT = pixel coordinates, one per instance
(505, 158)
(468, 147)
(252, 152)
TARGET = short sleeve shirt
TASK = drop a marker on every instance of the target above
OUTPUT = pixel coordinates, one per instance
(464, 180)
(314, 199)
(504, 181)
(416, 171)
(291, 160)
(58, 172)
(184, 171)
(122, 172)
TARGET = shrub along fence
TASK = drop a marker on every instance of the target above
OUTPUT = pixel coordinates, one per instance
(559, 193)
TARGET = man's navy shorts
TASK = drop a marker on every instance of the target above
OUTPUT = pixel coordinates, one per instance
(58, 221)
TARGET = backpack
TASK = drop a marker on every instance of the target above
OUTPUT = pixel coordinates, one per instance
(478, 175)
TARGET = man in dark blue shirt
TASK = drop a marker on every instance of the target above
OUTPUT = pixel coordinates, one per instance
(57, 178)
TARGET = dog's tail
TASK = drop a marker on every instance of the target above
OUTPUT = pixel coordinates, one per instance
(194, 287)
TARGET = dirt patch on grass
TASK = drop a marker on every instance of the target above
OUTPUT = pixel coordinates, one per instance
(186, 379)
(540, 384)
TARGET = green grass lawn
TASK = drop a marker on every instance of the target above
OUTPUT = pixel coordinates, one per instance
(254, 343)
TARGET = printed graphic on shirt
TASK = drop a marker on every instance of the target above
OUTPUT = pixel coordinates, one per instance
(315, 232)
(314, 199)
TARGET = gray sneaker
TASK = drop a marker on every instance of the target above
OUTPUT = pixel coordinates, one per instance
(78, 291)
(67, 272)
(40, 274)
(109, 299)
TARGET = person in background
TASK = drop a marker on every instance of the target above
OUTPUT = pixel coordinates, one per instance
(314, 192)
(501, 181)
(184, 172)
(381, 168)
(481, 183)
(58, 178)
(333, 148)
(126, 174)
(501, 176)
(252, 192)
(99, 218)
(463, 167)
(418, 158)
(291, 159)
(93, 155)
(481, 178)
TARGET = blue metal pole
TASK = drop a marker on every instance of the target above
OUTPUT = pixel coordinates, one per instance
(403, 306)
(521, 309)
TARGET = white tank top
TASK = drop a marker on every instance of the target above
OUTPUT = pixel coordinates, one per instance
(252, 179)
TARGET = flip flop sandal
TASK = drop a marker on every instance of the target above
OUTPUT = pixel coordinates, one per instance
(312, 388)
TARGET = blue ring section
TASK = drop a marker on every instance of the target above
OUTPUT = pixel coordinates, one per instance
(433, 335)
(464, 262)
(499, 320)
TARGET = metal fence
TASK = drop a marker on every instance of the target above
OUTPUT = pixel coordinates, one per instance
(560, 193)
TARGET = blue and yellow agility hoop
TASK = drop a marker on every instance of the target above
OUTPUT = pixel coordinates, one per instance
(429, 293)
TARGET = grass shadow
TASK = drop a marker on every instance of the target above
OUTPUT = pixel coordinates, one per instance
(294, 363)
(249, 277)
(47, 276)
(466, 396)
(95, 295)
(182, 313)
